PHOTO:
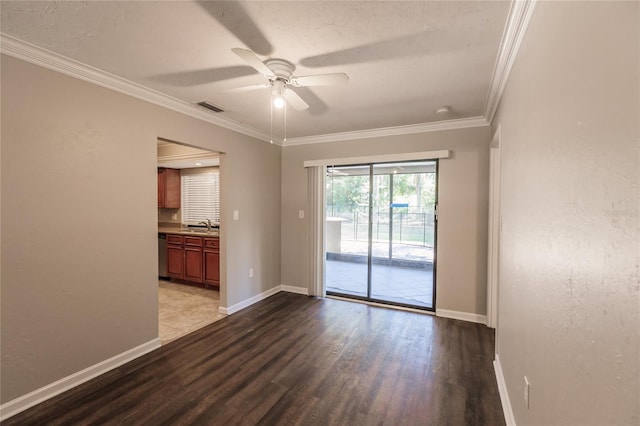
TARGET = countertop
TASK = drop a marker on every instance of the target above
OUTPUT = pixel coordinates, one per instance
(182, 231)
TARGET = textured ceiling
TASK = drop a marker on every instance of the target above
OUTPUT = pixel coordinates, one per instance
(404, 58)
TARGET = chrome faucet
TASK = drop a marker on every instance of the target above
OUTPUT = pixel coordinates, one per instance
(207, 224)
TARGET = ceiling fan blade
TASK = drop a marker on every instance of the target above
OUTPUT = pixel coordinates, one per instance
(316, 105)
(320, 80)
(295, 100)
(250, 58)
(248, 88)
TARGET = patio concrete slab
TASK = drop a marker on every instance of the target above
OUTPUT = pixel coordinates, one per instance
(401, 285)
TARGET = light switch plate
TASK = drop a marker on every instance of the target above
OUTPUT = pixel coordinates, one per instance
(236, 215)
(300, 214)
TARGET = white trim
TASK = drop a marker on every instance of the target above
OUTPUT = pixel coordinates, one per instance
(493, 249)
(382, 305)
(23, 402)
(292, 289)
(464, 316)
(461, 123)
(384, 158)
(36, 55)
(258, 297)
(250, 301)
(517, 23)
(509, 418)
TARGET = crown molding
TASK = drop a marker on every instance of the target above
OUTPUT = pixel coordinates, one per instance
(28, 52)
(461, 123)
(518, 20)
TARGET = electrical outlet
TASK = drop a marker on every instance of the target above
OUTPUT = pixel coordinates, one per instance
(250, 272)
(174, 216)
(300, 214)
(526, 392)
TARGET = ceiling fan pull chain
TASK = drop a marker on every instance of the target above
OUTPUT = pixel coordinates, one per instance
(271, 131)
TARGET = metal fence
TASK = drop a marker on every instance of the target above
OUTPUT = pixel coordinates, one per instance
(403, 225)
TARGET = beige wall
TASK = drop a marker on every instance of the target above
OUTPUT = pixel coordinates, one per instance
(568, 310)
(463, 193)
(79, 221)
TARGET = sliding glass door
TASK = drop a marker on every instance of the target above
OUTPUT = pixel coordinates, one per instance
(347, 230)
(381, 232)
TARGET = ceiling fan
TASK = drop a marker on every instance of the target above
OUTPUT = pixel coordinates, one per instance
(279, 72)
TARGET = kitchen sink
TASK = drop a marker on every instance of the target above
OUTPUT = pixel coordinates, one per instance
(200, 231)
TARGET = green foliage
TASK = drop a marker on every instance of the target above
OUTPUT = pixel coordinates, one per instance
(348, 197)
(416, 189)
(346, 193)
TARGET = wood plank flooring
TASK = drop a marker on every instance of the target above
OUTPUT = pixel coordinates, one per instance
(296, 360)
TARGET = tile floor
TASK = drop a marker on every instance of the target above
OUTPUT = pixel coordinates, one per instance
(401, 285)
(183, 309)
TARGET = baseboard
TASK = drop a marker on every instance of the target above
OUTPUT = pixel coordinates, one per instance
(258, 297)
(292, 289)
(464, 316)
(23, 402)
(248, 302)
(504, 396)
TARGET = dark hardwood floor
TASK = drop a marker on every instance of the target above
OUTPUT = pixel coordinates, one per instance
(292, 359)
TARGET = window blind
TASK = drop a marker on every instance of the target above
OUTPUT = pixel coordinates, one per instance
(200, 197)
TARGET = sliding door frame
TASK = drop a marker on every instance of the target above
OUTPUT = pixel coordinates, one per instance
(368, 297)
(318, 230)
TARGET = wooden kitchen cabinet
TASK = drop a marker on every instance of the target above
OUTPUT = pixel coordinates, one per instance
(193, 259)
(168, 188)
(175, 256)
(211, 255)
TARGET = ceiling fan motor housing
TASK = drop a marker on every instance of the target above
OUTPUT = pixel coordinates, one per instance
(283, 70)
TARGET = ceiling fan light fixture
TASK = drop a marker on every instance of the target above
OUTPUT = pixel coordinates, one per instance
(279, 73)
(278, 101)
(277, 93)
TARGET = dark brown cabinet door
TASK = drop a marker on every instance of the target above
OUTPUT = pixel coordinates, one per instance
(212, 267)
(212, 261)
(193, 264)
(162, 183)
(169, 188)
(175, 261)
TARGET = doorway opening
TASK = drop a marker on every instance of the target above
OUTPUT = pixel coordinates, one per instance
(381, 223)
(188, 239)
